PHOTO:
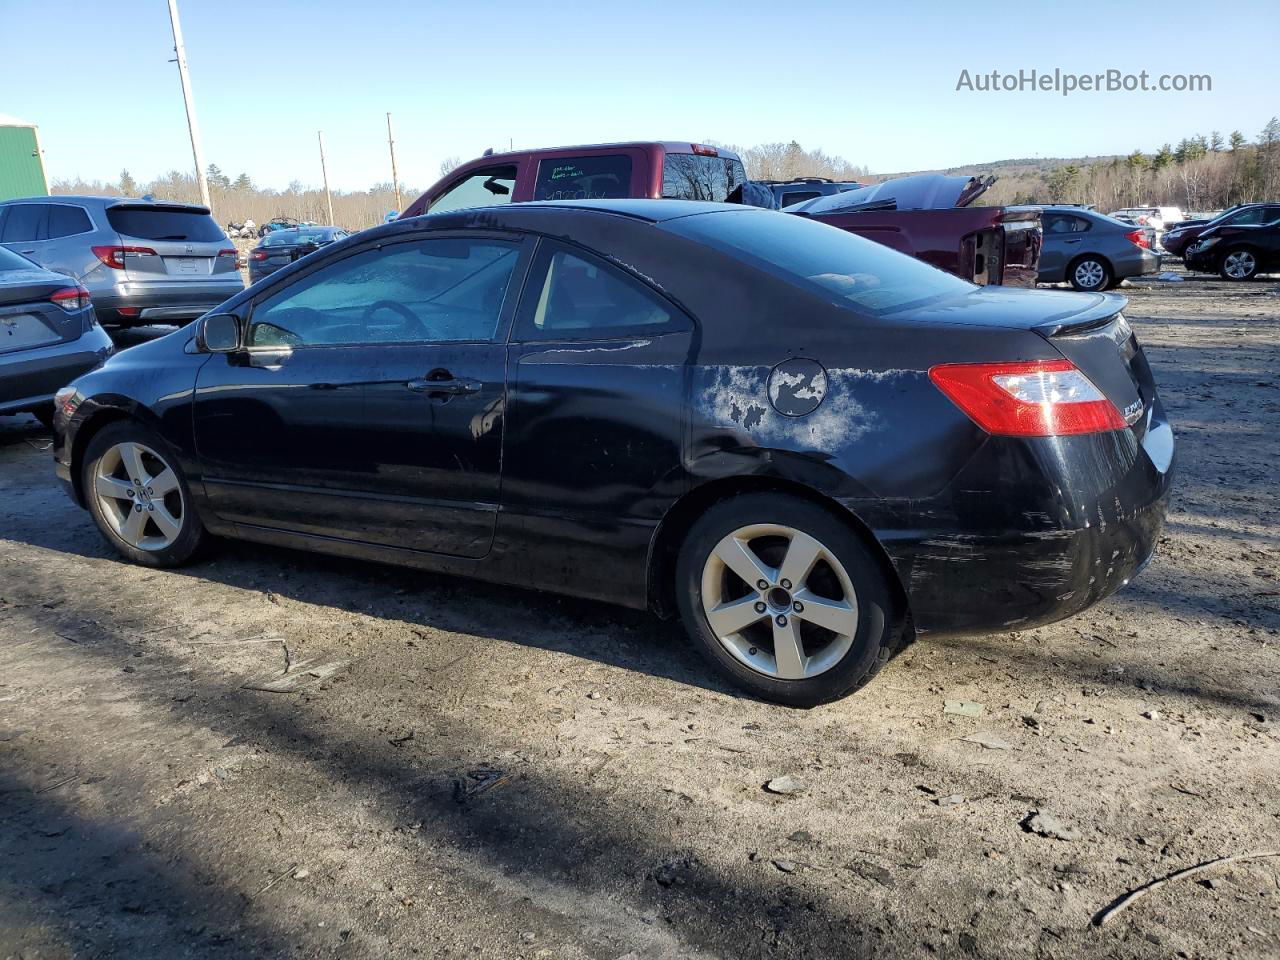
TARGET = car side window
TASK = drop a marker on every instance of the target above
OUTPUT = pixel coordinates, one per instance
(1252, 215)
(575, 296)
(66, 221)
(25, 222)
(484, 188)
(445, 289)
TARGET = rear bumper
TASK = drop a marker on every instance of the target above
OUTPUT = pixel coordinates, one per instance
(1032, 531)
(1139, 264)
(257, 272)
(29, 378)
(163, 301)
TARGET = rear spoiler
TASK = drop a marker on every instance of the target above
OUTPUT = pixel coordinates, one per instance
(1105, 308)
(174, 207)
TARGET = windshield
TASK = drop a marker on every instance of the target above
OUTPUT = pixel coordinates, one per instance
(847, 269)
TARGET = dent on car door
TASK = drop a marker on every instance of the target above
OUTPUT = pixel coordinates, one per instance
(597, 420)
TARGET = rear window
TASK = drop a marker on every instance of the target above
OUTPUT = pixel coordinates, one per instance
(798, 196)
(279, 238)
(583, 178)
(688, 176)
(147, 223)
(846, 269)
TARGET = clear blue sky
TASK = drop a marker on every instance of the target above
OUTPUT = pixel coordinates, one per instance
(876, 86)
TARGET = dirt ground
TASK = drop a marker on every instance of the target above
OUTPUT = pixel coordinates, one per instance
(498, 774)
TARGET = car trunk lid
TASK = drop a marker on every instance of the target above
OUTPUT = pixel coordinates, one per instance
(28, 318)
(1105, 349)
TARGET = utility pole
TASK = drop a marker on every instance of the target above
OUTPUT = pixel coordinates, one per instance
(395, 180)
(325, 173)
(180, 53)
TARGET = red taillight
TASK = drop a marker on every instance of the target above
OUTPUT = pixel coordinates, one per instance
(129, 311)
(229, 252)
(71, 299)
(258, 255)
(1040, 399)
(1139, 237)
(702, 150)
(113, 257)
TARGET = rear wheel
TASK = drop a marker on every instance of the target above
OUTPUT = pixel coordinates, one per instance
(1238, 264)
(139, 498)
(785, 599)
(1090, 274)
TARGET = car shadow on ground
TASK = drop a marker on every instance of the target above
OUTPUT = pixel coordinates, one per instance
(542, 830)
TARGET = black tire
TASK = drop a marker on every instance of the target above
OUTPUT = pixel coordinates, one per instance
(1101, 269)
(191, 536)
(1229, 261)
(879, 631)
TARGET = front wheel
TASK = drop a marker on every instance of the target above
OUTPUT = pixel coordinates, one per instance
(785, 599)
(139, 498)
(1090, 274)
(1239, 264)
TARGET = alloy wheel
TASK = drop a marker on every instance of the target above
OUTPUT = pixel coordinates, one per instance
(139, 496)
(1239, 265)
(1090, 274)
(779, 601)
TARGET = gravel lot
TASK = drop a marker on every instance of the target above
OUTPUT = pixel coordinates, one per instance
(495, 773)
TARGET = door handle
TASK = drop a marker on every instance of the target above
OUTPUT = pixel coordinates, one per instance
(1077, 240)
(32, 250)
(452, 386)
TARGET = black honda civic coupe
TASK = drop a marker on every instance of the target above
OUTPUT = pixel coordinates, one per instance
(808, 446)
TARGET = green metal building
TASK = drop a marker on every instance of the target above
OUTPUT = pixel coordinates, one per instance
(21, 165)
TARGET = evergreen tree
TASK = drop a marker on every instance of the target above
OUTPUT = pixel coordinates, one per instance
(127, 186)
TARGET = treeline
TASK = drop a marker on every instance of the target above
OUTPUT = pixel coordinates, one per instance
(236, 200)
(1200, 173)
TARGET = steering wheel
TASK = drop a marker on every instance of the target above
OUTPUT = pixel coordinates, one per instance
(407, 315)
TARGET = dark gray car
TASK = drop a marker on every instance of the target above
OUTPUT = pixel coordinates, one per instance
(1090, 250)
(143, 261)
(48, 335)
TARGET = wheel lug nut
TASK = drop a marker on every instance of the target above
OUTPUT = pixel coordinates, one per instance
(786, 584)
(760, 608)
(762, 585)
(129, 492)
(799, 607)
(752, 651)
(782, 621)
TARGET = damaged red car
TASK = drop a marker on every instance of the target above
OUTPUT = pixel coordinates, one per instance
(806, 445)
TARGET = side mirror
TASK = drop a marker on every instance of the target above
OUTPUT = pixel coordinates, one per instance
(219, 333)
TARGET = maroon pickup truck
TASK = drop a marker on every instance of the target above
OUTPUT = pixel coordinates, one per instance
(983, 244)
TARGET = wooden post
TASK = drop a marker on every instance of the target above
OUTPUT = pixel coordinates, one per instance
(181, 53)
(325, 173)
(395, 180)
